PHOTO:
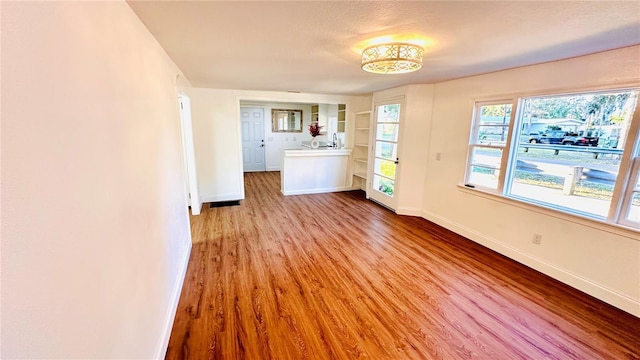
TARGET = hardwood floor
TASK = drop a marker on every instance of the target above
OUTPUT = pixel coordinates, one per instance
(334, 276)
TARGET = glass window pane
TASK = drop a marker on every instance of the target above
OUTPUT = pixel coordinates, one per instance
(634, 208)
(387, 132)
(493, 123)
(386, 150)
(494, 135)
(486, 157)
(389, 113)
(383, 185)
(384, 167)
(575, 160)
(485, 177)
(485, 167)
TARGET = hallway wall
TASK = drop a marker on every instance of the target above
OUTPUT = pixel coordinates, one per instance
(95, 231)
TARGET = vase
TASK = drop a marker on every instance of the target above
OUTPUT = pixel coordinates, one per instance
(314, 143)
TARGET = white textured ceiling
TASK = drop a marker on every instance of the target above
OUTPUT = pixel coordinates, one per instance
(313, 46)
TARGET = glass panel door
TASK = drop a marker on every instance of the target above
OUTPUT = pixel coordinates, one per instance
(385, 154)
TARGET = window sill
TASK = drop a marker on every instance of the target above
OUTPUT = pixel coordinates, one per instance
(617, 229)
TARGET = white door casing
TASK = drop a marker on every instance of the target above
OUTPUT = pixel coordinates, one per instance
(189, 153)
(253, 145)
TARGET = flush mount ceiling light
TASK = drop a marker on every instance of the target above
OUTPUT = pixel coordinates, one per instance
(392, 58)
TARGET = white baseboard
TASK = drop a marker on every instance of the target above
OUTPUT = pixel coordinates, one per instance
(598, 291)
(318, 191)
(409, 211)
(163, 342)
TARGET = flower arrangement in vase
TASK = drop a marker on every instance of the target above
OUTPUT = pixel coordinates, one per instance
(314, 130)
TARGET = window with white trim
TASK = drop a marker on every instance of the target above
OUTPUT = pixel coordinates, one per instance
(575, 153)
(488, 143)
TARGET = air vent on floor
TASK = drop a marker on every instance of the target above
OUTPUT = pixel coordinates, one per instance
(224, 203)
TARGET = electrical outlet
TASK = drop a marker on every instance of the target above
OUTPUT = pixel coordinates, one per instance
(537, 239)
(438, 156)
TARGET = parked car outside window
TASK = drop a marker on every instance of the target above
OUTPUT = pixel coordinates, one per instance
(532, 138)
(578, 139)
(552, 137)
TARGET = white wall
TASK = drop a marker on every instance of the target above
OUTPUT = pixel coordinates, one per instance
(217, 137)
(218, 144)
(591, 257)
(95, 233)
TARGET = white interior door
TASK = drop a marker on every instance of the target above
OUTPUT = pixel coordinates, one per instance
(189, 154)
(384, 155)
(252, 139)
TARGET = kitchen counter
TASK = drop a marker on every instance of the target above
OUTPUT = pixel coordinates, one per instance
(314, 171)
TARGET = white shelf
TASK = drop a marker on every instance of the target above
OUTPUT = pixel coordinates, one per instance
(342, 118)
(362, 127)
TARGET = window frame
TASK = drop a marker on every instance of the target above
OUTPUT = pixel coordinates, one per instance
(624, 190)
(628, 172)
(474, 144)
(621, 213)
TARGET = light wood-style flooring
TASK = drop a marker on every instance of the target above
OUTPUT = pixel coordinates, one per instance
(335, 276)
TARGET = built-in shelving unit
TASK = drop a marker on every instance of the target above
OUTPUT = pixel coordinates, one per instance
(342, 118)
(360, 152)
(315, 113)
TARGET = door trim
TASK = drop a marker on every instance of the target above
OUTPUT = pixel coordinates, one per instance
(189, 154)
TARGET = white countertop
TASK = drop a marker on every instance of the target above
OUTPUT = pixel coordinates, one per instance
(316, 152)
